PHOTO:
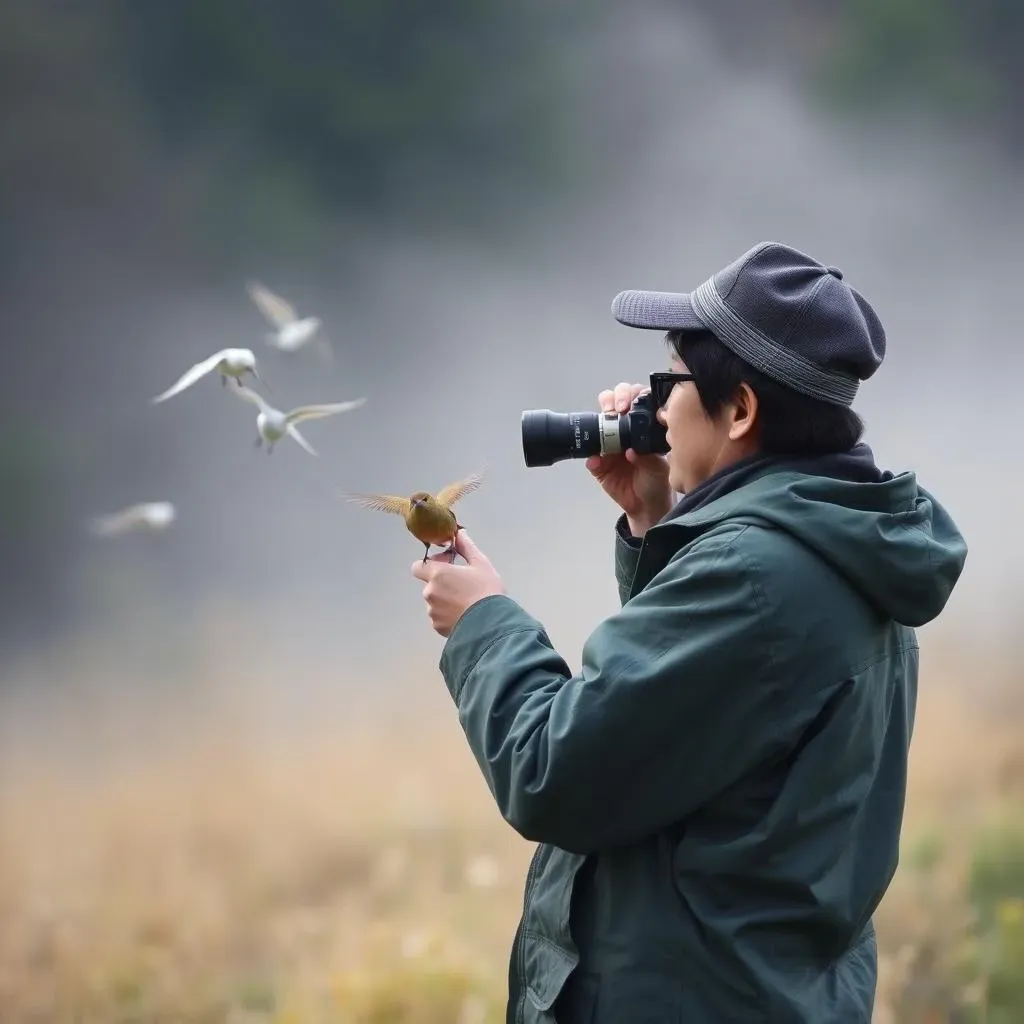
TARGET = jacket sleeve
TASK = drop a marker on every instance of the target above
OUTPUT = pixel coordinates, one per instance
(627, 555)
(676, 700)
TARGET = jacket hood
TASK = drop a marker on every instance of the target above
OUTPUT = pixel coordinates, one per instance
(885, 533)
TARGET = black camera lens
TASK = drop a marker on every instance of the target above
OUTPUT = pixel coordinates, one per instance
(550, 437)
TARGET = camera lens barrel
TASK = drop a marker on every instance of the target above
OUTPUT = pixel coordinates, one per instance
(550, 437)
(614, 432)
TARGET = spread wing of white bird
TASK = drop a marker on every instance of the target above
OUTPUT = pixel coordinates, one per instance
(191, 375)
(314, 412)
(277, 311)
(459, 489)
(144, 514)
(253, 397)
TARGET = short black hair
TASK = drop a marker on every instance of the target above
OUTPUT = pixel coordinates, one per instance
(791, 423)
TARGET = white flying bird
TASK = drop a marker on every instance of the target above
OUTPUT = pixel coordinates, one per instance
(273, 424)
(149, 516)
(290, 332)
(228, 362)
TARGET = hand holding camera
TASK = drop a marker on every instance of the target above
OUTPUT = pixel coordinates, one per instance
(623, 444)
(637, 483)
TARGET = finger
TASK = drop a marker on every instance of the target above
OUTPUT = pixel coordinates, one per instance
(606, 400)
(623, 396)
(465, 546)
(594, 464)
(423, 570)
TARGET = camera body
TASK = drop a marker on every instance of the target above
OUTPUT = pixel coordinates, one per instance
(550, 437)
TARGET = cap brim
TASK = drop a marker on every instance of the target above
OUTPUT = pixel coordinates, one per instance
(657, 311)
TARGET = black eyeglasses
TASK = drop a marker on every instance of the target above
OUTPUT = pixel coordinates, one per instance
(663, 383)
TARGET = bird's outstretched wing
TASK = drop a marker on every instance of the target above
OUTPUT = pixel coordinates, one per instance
(381, 503)
(253, 397)
(115, 522)
(191, 375)
(294, 431)
(313, 412)
(150, 515)
(273, 307)
(454, 491)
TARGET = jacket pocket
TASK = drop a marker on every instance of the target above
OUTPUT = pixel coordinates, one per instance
(578, 1002)
(642, 997)
(546, 967)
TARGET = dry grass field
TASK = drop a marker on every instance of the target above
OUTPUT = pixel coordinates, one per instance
(199, 867)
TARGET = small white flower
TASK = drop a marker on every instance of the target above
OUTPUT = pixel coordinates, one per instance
(482, 872)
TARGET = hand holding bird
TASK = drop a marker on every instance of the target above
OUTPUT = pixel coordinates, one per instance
(451, 590)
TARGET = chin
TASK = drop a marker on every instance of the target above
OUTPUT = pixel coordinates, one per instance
(675, 477)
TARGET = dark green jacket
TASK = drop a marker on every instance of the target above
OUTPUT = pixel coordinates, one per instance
(718, 794)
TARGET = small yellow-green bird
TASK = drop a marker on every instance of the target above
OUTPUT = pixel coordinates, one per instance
(430, 519)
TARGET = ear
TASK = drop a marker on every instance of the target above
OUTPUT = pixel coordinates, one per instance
(744, 413)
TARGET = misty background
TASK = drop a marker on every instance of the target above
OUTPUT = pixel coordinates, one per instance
(458, 193)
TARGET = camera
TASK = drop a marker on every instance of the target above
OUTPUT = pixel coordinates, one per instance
(550, 437)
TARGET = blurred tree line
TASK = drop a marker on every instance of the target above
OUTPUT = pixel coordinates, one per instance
(959, 58)
(393, 108)
(956, 60)
(186, 133)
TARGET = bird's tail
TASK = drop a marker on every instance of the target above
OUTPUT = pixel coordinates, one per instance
(294, 431)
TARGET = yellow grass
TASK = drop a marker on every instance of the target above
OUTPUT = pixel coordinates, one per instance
(198, 867)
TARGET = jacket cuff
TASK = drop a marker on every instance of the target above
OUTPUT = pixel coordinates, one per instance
(482, 624)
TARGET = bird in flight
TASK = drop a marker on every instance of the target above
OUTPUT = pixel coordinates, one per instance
(429, 518)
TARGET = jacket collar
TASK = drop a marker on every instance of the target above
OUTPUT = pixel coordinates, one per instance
(732, 494)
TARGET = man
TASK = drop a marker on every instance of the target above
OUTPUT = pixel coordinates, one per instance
(718, 794)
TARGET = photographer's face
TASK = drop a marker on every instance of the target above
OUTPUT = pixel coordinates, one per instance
(702, 446)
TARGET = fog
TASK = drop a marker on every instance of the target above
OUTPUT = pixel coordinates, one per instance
(450, 338)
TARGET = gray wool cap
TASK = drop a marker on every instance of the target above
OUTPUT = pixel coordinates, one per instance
(787, 315)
